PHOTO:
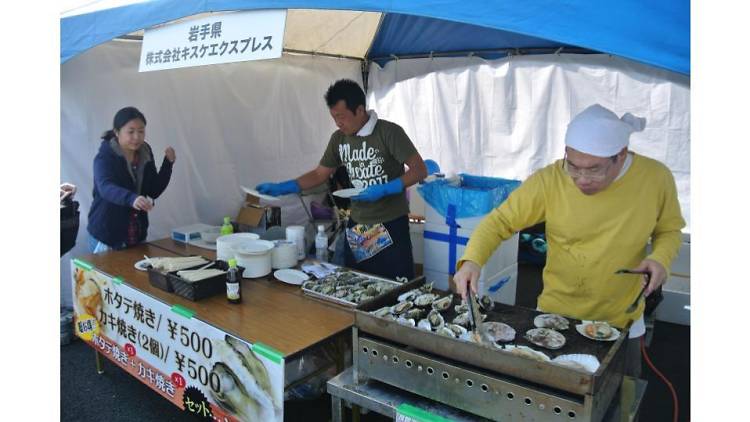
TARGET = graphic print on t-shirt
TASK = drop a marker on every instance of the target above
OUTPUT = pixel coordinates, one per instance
(364, 165)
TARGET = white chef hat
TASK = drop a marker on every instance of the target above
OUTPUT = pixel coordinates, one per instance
(597, 131)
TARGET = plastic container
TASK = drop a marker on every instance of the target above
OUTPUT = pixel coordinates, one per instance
(227, 228)
(321, 244)
(296, 234)
(201, 289)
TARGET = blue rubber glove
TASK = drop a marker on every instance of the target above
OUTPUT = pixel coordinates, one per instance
(375, 192)
(277, 189)
(432, 166)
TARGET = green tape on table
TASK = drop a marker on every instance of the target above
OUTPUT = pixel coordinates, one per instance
(83, 264)
(269, 352)
(181, 310)
(118, 280)
(408, 413)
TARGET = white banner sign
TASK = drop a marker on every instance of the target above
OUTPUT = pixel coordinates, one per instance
(208, 373)
(221, 38)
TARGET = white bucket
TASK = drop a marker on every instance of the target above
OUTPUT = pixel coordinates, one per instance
(255, 256)
(296, 234)
(225, 244)
(284, 254)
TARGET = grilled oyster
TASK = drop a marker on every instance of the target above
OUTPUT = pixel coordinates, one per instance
(401, 307)
(436, 320)
(486, 304)
(443, 304)
(445, 331)
(425, 299)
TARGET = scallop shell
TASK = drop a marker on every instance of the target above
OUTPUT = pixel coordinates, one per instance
(554, 321)
(545, 337)
(526, 352)
(499, 331)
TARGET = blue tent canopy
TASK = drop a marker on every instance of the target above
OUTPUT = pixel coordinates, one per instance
(655, 33)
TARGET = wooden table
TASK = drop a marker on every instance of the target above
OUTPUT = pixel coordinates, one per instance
(271, 312)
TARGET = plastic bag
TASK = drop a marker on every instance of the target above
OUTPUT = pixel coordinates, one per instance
(473, 196)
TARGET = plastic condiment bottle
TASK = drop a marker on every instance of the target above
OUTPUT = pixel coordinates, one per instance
(321, 244)
(234, 294)
(226, 228)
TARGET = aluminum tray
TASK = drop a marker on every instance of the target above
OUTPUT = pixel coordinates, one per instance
(610, 354)
(347, 303)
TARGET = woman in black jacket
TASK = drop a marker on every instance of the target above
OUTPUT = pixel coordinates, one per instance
(125, 183)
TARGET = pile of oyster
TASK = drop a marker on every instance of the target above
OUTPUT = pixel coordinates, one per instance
(428, 310)
(348, 286)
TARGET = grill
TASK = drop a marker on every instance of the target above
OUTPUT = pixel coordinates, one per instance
(486, 381)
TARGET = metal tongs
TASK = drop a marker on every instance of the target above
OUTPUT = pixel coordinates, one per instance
(476, 323)
(634, 305)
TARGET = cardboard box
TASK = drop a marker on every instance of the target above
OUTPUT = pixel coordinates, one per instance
(257, 218)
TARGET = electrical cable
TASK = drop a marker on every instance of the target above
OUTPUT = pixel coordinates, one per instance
(676, 409)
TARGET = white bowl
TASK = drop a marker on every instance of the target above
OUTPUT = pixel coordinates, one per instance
(211, 234)
(255, 256)
(225, 244)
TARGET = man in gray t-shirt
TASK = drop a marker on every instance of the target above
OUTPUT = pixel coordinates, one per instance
(374, 152)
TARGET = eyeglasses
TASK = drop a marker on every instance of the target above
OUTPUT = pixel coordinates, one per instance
(596, 174)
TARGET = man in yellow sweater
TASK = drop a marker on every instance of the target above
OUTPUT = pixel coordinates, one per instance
(601, 204)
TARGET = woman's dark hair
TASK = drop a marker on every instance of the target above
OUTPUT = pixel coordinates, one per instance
(347, 90)
(122, 118)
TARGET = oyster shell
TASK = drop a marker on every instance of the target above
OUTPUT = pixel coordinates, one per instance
(436, 320)
(382, 311)
(426, 288)
(406, 321)
(443, 304)
(457, 329)
(445, 331)
(425, 299)
(401, 307)
(546, 338)
(553, 321)
(415, 313)
(486, 304)
(424, 324)
(462, 319)
(409, 296)
(463, 307)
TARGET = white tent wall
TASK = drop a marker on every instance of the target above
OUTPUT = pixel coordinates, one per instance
(507, 117)
(231, 125)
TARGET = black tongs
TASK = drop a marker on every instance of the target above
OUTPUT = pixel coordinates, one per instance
(634, 305)
(476, 323)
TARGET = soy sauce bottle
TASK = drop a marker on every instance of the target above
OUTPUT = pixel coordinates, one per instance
(234, 293)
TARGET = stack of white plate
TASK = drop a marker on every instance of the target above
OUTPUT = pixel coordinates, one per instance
(255, 257)
(225, 245)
